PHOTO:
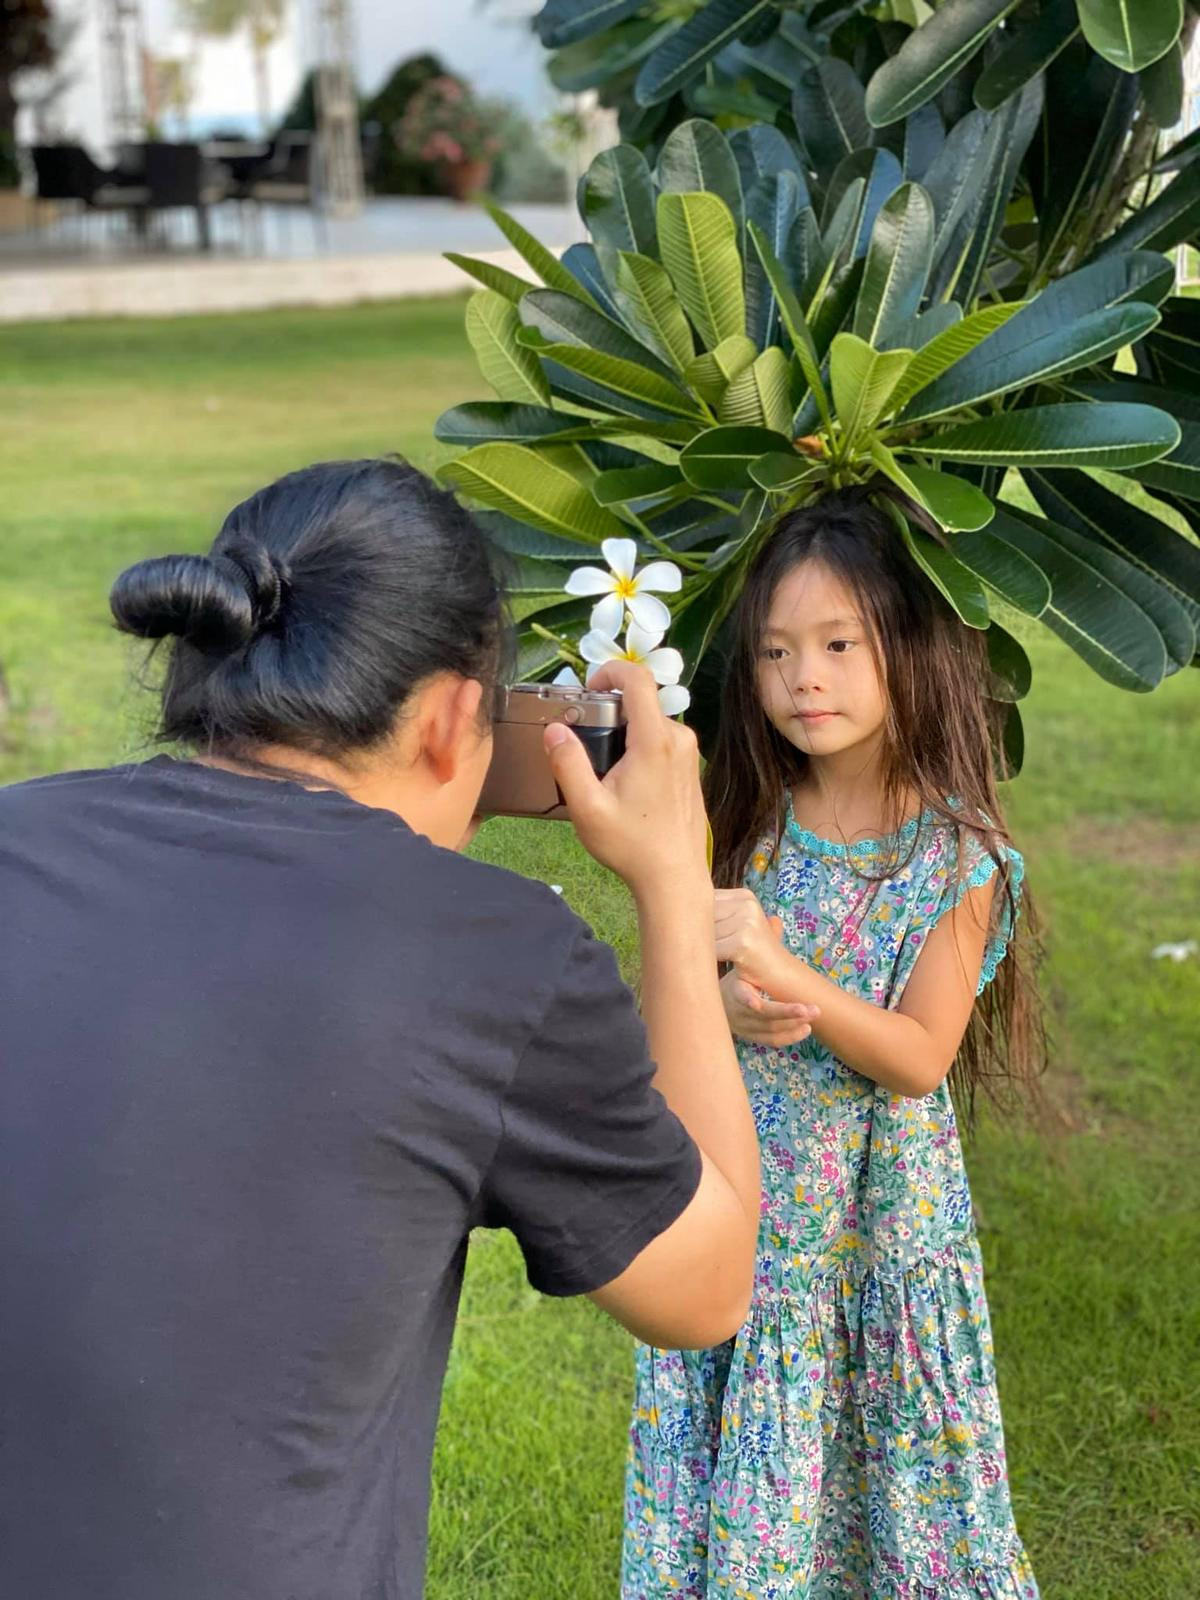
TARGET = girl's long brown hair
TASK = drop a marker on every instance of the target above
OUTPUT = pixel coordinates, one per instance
(941, 741)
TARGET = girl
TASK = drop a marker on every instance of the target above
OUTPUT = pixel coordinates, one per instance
(847, 1445)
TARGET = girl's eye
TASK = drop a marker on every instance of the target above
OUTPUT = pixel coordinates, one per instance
(774, 653)
(840, 646)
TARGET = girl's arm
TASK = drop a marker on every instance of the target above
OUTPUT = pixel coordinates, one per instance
(909, 1050)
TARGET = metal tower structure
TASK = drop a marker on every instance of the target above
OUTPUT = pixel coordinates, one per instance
(338, 146)
(121, 43)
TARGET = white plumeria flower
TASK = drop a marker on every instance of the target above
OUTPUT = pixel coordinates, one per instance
(625, 589)
(673, 697)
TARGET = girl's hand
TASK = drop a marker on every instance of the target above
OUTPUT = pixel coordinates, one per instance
(760, 1020)
(747, 937)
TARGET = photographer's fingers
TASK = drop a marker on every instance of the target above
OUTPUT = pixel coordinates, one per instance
(639, 696)
(573, 772)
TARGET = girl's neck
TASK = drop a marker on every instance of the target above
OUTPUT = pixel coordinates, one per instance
(845, 796)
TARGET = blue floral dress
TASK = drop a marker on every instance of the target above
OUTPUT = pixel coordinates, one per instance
(847, 1445)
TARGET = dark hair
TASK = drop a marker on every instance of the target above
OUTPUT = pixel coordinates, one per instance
(941, 740)
(326, 599)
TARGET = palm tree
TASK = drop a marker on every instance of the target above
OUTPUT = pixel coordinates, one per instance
(263, 21)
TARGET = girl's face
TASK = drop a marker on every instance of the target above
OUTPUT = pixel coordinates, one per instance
(817, 673)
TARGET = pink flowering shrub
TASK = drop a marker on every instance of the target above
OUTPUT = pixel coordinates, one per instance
(444, 125)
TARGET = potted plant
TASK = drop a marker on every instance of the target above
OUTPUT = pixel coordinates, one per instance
(444, 126)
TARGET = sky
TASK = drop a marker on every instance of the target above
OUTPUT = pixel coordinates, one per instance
(488, 42)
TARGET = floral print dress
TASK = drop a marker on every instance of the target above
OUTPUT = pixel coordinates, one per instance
(847, 1445)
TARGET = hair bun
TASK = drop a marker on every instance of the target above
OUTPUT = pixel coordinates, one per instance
(218, 603)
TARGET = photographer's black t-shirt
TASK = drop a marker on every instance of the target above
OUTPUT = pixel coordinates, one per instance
(266, 1057)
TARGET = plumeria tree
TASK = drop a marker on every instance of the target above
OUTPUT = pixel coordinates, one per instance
(870, 260)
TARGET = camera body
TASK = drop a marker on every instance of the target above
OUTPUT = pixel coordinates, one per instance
(519, 782)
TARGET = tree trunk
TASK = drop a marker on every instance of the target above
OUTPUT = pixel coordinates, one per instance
(262, 84)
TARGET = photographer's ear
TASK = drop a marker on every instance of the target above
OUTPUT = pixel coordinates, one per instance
(451, 731)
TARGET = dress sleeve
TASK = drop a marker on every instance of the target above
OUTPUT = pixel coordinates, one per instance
(946, 886)
(592, 1164)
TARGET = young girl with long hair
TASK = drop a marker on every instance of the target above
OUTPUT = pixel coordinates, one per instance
(847, 1445)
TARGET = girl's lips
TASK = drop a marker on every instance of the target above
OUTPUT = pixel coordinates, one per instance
(815, 716)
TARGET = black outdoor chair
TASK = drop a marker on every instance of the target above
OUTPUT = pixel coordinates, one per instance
(179, 175)
(286, 175)
(67, 172)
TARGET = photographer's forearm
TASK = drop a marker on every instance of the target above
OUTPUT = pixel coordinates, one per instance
(698, 1072)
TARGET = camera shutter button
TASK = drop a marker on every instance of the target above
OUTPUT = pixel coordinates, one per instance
(571, 714)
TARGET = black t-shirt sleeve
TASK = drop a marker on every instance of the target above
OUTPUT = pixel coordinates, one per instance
(592, 1164)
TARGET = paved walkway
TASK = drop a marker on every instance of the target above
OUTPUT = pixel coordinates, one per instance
(88, 266)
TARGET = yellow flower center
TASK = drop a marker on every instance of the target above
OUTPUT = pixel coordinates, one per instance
(626, 588)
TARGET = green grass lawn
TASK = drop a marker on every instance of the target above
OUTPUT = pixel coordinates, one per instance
(132, 438)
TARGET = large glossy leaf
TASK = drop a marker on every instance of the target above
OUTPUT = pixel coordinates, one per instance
(951, 345)
(583, 263)
(561, 21)
(1011, 675)
(1131, 33)
(622, 377)
(678, 60)
(1071, 435)
(759, 396)
(519, 539)
(1088, 611)
(898, 261)
(566, 384)
(561, 320)
(863, 381)
(1174, 346)
(1171, 217)
(647, 301)
(492, 327)
(828, 109)
(1078, 501)
(1179, 472)
(772, 205)
(696, 158)
(1033, 347)
(616, 201)
(547, 265)
(1010, 137)
(957, 505)
(711, 373)
(924, 136)
(1031, 49)
(487, 421)
(914, 333)
(498, 279)
(590, 62)
(761, 152)
(698, 240)
(620, 485)
(1163, 86)
(957, 584)
(1088, 109)
(1013, 574)
(720, 458)
(523, 484)
(952, 178)
(931, 55)
(792, 316)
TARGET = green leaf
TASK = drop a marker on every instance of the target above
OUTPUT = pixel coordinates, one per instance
(647, 300)
(1014, 576)
(914, 333)
(1015, 125)
(863, 381)
(1171, 218)
(957, 584)
(930, 57)
(1031, 49)
(561, 320)
(1088, 110)
(1179, 472)
(519, 539)
(1011, 757)
(1071, 435)
(762, 151)
(623, 484)
(759, 396)
(589, 63)
(697, 160)
(492, 328)
(898, 261)
(1011, 674)
(1089, 612)
(616, 201)
(1034, 346)
(828, 110)
(547, 266)
(720, 458)
(777, 472)
(679, 59)
(793, 319)
(710, 374)
(520, 482)
(956, 504)
(498, 279)
(698, 240)
(561, 21)
(771, 205)
(1163, 87)
(487, 421)
(622, 377)
(1131, 33)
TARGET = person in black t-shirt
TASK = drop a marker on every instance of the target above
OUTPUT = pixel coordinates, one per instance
(272, 1047)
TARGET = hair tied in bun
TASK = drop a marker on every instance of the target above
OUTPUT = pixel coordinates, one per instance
(267, 577)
